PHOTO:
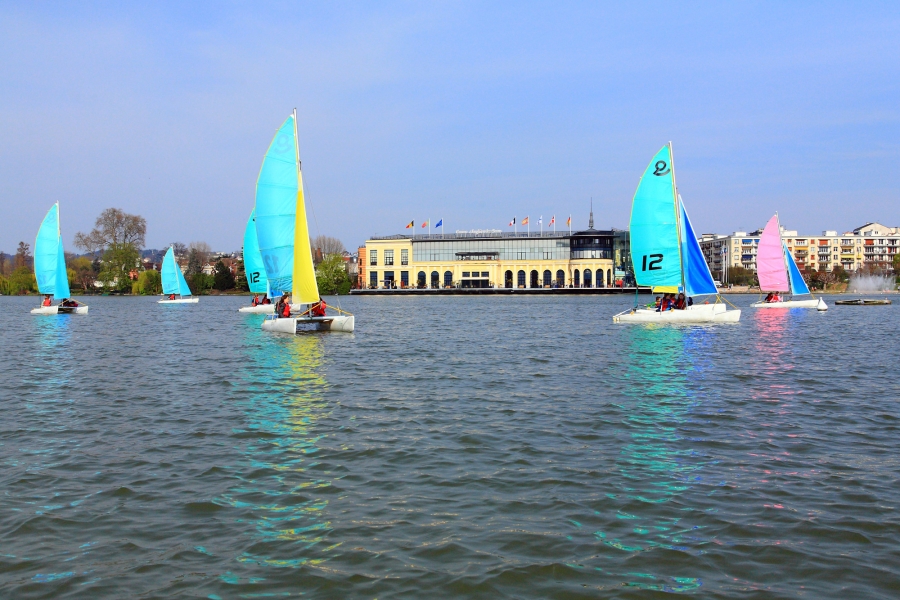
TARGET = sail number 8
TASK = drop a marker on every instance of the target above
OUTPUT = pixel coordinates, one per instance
(653, 264)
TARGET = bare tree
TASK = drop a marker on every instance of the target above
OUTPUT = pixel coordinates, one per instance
(114, 228)
(178, 248)
(328, 245)
(198, 254)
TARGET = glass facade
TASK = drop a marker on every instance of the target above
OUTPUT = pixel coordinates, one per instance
(491, 249)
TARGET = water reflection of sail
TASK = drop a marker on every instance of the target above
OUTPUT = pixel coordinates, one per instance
(656, 465)
(277, 493)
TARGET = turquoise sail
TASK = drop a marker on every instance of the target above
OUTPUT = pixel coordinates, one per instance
(49, 257)
(698, 281)
(173, 281)
(253, 262)
(798, 286)
(655, 247)
(276, 208)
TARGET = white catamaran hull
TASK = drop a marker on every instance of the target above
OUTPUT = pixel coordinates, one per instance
(263, 309)
(698, 313)
(299, 324)
(180, 301)
(816, 303)
(60, 310)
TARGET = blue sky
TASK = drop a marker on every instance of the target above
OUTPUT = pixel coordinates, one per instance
(467, 111)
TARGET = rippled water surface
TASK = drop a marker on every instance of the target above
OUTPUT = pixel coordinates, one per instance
(485, 447)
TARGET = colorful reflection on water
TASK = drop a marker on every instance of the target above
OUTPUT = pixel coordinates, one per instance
(279, 493)
(656, 466)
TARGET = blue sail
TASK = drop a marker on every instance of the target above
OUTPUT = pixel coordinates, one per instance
(276, 208)
(172, 278)
(655, 248)
(253, 262)
(798, 286)
(698, 281)
(49, 257)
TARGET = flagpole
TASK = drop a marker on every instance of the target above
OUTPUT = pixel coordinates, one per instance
(541, 223)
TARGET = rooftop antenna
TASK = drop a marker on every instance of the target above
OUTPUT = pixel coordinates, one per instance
(591, 220)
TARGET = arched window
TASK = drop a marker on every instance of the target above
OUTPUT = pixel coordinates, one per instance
(448, 278)
(599, 277)
(435, 279)
(587, 278)
(534, 279)
(547, 278)
(521, 279)
(507, 279)
(577, 278)
(560, 278)
(420, 280)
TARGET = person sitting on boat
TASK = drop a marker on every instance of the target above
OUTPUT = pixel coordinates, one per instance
(255, 300)
(769, 297)
(318, 309)
(171, 296)
(266, 300)
(680, 303)
(69, 303)
(690, 301)
(657, 304)
(46, 301)
(283, 307)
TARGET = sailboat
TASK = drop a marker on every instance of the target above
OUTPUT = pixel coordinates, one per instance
(778, 272)
(173, 282)
(50, 268)
(254, 269)
(283, 237)
(665, 251)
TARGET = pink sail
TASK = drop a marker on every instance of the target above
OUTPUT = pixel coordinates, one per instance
(770, 260)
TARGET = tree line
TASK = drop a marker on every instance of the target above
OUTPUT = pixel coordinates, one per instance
(112, 262)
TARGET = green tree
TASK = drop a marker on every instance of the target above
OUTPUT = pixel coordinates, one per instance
(200, 283)
(84, 272)
(331, 276)
(21, 281)
(741, 276)
(224, 280)
(240, 277)
(148, 283)
(117, 238)
(896, 264)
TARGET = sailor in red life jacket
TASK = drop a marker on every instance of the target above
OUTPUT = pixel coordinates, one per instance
(46, 301)
(318, 309)
(286, 308)
(255, 300)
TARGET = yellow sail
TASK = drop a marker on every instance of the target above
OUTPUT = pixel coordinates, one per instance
(305, 290)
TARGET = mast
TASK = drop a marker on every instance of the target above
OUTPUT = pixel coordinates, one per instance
(677, 214)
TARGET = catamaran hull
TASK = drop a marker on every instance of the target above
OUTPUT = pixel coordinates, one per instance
(180, 301)
(699, 313)
(262, 309)
(300, 324)
(816, 303)
(60, 310)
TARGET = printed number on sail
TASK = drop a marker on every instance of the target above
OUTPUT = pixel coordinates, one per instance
(654, 264)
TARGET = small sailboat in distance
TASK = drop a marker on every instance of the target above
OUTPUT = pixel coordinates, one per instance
(174, 285)
(778, 272)
(665, 251)
(50, 269)
(255, 271)
(283, 235)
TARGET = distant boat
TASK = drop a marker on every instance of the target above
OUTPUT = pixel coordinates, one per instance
(50, 268)
(283, 235)
(665, 251)
(174, 285)
(864, 302)
(778, 272)
(254, 269)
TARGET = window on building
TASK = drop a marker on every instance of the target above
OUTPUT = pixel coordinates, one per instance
(521, 256)
(404, 279)
(534, 279)
(521, 279)
(389, 279)
(420, 279)
(388, 258)
(507, 279)
(373, 258)
(485, 274)
(448, 278)
(587, 278)
(546, 256)
(547, 278)
(404, 256)
(577, 278)
(560, 278)
(435, 279)
(465, 274)
(373, 278)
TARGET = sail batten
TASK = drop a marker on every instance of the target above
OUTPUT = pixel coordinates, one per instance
(49, 257)
(770, 259)
(653, 229)
(253, 263)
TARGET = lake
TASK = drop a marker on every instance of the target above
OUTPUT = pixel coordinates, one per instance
(452, 447)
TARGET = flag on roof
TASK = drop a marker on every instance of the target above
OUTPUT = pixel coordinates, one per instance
(513, 222)
(410, 226)
(424, 224)
(552, 220)
(440, 223)
(525, 221)
(569, 221)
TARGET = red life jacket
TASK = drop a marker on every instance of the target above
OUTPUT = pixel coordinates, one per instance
(287, 310)
(46, 302)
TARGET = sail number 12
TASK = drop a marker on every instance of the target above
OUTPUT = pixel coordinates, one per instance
(654, 264)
